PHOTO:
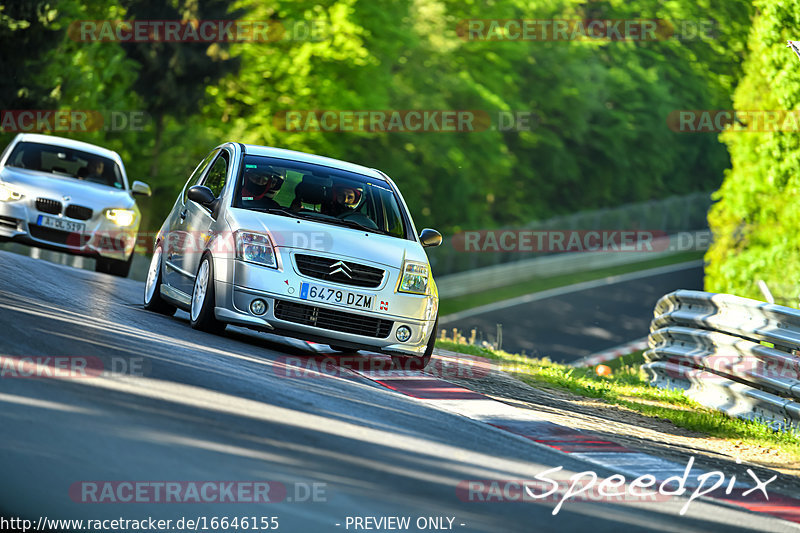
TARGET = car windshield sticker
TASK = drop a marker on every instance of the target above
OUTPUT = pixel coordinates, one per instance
(378, 187)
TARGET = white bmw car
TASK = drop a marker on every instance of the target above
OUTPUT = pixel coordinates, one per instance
(69, 196)
(300, 245)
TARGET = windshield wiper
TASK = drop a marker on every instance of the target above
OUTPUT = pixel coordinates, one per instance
(358, 225)
(274, 211)
(326, 219)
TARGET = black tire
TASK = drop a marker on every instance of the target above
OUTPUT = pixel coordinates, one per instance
(156, 303)
(411, 362)
(113, 266)
(204, 319)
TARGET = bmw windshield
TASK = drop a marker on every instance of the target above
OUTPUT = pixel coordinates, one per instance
(323, 194)
(68, 162)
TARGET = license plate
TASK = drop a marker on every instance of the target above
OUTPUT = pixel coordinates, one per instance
(345, 298)
(60, 224)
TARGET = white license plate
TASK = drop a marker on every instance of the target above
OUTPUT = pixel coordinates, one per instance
(60, 224)
(331, 295)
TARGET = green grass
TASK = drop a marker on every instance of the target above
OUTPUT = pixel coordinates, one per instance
(628, 386)
(452, 305)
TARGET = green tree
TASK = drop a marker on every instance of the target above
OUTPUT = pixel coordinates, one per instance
(755, 221)
(173, 76)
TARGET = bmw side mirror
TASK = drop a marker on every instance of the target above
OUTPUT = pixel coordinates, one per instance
(139, 187)
(201, 194)
(430, 238)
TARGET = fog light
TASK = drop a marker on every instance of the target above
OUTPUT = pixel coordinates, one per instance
(258, 307)
(403, 333)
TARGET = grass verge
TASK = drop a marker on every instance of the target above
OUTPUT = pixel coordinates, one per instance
(468, 301)
(628, 386)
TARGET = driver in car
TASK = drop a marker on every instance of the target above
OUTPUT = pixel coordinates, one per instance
(260, 187)
(93, 171)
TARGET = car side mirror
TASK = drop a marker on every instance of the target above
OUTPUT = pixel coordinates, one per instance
(139, 187)
(430, 238)
(201, 194)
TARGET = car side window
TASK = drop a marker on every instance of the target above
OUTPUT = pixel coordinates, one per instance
(217, 175)
(194, 179)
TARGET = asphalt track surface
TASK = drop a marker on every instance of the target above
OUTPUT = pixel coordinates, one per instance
(205, 407)
(567, 327)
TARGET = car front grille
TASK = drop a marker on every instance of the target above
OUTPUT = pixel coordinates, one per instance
(78, 212)
(344, 272)
(8, 222)
(46, 205)
(55, 236)
(321, 317)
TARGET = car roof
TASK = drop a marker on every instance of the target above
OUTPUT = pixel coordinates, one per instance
(69, 143)
(281, 153)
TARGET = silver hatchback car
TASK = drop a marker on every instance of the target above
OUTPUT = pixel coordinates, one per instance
(69, 196)
(299, 245)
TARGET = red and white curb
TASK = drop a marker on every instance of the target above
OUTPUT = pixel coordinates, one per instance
(579, 444)
(611, 353)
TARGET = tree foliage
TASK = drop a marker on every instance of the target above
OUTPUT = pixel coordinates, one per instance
(599, 139)
(755, 221)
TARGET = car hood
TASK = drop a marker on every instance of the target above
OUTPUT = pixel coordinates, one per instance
(53, 186)
(324, 238)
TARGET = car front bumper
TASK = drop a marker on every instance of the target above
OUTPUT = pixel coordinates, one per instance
(101, 238)
(289, 314)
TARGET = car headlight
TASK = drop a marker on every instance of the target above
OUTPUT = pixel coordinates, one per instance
(121, 217)
(255, 248)
(9, 193)
(414, 279)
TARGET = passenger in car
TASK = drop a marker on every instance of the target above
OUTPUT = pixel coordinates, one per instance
(345, 200)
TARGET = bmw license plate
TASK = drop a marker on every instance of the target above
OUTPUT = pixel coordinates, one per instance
(60, 224)
(345, 298)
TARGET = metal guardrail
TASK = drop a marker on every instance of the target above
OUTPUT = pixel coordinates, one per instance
(492, 277)
(672, 215)
(729, 353)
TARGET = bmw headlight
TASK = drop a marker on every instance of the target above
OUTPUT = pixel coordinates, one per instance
(9, 193)
(121, 217)
(414, 279)
(255, 248)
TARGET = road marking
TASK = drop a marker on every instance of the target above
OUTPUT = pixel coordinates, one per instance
(569, 289)
(611, 353)
(583, 445)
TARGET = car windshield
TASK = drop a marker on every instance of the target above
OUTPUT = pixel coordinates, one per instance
(320, 193)
(67, 162)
